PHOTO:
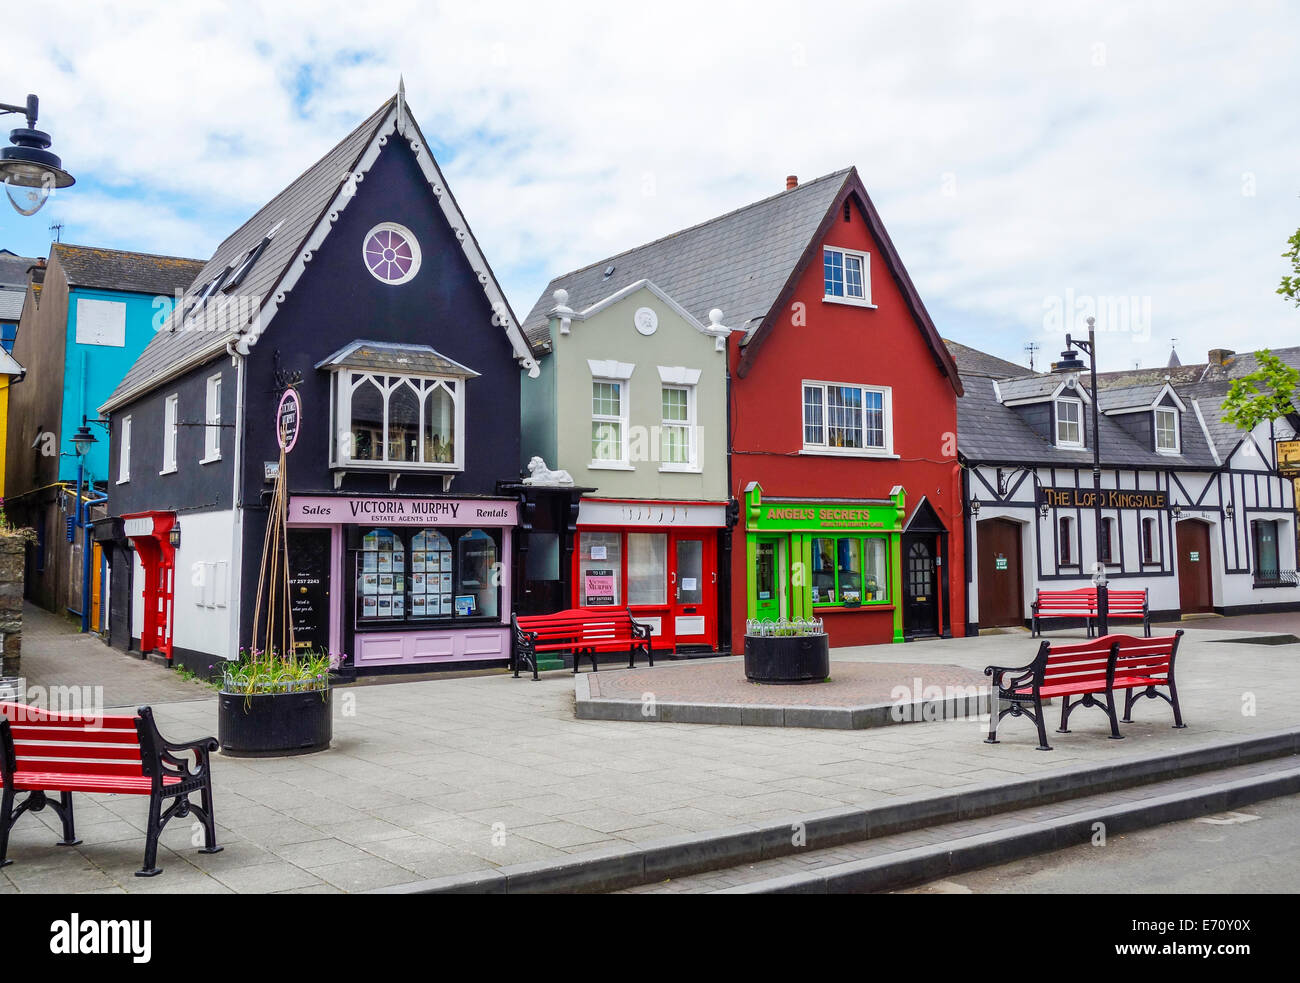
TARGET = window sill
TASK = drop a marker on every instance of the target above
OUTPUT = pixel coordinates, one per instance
(873, 606)
(848, 452)
(1178, 453)
(679, 469)
(209, 460)
(171, 470)
(849, 302)
(402, 467)
(123, 481)
(1071, 447)
(609, 466)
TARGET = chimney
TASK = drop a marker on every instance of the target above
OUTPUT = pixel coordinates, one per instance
(791, 181)
(1221, 356)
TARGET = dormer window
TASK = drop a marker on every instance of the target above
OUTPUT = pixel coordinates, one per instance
(1168, 439)
(1069, 423)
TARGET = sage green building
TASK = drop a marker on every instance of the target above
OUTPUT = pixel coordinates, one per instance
(632, 402)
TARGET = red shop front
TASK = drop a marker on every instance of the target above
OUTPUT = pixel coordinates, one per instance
(150, 534)
(658, 559)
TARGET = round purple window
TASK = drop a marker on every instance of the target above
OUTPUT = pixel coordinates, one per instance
(391, 253)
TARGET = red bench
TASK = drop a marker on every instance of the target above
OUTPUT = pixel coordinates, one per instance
(581, 631)
(1082, 603)
(43, 752)
(1093, 671)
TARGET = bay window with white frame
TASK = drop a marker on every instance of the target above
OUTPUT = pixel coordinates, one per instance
(408, 422)
(847, 419)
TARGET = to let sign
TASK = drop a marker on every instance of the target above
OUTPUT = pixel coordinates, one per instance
(288, 419)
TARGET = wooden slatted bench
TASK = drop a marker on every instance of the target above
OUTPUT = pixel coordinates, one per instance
(1082, 603)
(42, 752)
(1092, 671)
(580, 631)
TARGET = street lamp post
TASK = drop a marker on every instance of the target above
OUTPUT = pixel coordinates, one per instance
(29, 163)
(1071, 364)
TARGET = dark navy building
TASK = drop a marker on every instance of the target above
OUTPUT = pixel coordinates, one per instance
(362, 287)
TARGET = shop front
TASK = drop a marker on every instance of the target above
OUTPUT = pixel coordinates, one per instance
(660, 560)
(399, 581)
(833, 559)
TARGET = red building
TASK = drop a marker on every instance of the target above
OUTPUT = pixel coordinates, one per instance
(843, 415)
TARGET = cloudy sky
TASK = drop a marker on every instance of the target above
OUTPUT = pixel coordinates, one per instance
(1033, 162)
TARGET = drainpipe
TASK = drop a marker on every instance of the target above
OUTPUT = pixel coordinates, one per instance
(83, 513)
(236, 572)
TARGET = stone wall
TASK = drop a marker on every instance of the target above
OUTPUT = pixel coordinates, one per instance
(12, 553)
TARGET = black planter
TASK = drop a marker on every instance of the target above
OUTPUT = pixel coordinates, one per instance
(787, 658)
(273, 724)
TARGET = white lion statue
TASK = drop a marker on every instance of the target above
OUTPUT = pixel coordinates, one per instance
(540, 474)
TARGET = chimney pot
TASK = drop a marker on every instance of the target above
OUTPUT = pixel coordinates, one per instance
(791, 181)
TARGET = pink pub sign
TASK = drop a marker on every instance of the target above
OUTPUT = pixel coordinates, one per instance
(370, 510)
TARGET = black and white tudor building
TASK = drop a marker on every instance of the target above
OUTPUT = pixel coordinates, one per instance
(1194, 511)
(362, 287)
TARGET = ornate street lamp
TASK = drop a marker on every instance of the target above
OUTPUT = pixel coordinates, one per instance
(1071, 364)
(29, 163)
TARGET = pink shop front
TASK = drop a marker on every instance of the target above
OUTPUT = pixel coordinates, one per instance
(402, 581)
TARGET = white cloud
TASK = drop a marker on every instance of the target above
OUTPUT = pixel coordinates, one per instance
(1095, 148)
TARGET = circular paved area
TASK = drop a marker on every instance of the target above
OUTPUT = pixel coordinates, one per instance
(852, 684)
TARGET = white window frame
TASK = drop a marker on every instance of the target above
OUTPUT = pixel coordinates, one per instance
(692, 462)
(212, 421)
(171, 411)
(344, 382)
(1177, 428)
(623, 463)
(845, 298)
(124, 451)
(1057, 421)
(822, 446)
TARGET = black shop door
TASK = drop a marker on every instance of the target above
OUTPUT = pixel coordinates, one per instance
(920, 585)
(309, 588)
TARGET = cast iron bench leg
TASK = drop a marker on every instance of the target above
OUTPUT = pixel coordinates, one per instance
(64, 811)
(1173, 702)
(151, 868)
(209, 824)
(6, 823)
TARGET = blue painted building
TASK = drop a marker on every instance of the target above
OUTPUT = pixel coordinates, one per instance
(87, 315)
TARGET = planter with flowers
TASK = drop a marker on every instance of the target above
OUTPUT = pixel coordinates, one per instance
(272, 705)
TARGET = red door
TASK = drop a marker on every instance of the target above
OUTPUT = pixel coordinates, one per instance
(1195, 576)
(694, 587)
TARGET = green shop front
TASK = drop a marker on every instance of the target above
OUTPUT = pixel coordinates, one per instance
(837, 559)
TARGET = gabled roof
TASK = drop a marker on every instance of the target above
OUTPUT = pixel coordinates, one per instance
(1134, 398)
(394, 357)
(566, 313)
(744, 263)
(13, 269)
(11, 303)
(1037, 389)
(118, 269)
(301, 217)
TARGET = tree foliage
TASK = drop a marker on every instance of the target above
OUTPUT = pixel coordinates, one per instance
(1290, 286)
(1265, 394)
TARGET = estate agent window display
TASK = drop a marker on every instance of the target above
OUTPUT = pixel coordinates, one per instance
(407, 577)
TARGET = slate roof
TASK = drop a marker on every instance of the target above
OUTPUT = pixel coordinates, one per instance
(298, 207)
(117, 269)
(391, 357)
(974, 363)
(1028, 387)
(737, 262)
(1127, 397)
(11, 303)
(13, 269)
(990, 432)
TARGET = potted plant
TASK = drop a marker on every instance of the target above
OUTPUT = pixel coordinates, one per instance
(787, 651)
(276, 705)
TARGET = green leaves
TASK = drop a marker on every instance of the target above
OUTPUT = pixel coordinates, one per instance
(1290, 286)
(1265, 394)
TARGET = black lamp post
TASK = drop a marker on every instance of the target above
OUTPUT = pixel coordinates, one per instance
(1071, 364)
(29, 162)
